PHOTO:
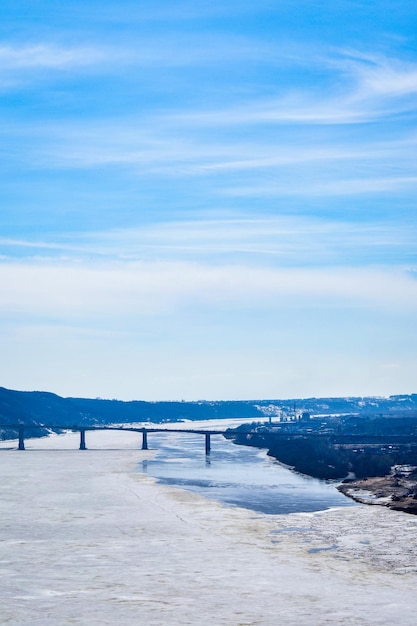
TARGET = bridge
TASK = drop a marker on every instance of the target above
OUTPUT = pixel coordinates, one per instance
(241, 437)
(21, 428)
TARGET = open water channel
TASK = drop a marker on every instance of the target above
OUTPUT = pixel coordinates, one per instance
(237, 475)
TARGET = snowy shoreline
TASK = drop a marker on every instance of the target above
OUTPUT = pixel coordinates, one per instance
(87, 540)
(394, 492)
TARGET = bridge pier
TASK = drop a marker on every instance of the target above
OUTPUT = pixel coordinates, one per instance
(21, 438)
(208, 447)
(82, 439)
(144, 439)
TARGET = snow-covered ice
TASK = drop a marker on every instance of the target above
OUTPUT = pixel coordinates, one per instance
(87, 540)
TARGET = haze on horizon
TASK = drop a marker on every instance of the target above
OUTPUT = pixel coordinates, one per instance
(208, 200)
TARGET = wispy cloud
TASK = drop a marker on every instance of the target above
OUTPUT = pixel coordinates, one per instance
(44, 56)
(360, 87)
(184, 50)
(264, 241)
(363, 88)
(24, 64)
(340, 187)
(285, 239)
(377, 75)
(178, 152)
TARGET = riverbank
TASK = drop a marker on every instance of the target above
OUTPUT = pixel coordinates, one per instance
(86, 540)
(394, 492)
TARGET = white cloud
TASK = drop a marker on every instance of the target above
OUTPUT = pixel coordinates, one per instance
(130, 289)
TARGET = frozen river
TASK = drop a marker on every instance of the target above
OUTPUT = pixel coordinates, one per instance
(88, 540)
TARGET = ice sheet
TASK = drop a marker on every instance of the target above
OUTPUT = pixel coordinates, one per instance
(86, 540)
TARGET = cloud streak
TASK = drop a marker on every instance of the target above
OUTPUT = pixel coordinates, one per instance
(343, 187)
(327, 166)
(43, 55)
(285, 240)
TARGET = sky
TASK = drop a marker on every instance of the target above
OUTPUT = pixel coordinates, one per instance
(208, 200)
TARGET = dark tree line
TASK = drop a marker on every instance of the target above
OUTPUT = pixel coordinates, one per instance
(320, 457)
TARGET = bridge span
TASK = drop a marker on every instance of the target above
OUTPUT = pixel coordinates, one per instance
(241, 437)
(21, 428)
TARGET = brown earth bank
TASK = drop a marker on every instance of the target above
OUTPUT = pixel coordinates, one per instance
(395, 492)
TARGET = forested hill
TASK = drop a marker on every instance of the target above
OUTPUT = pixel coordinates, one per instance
(44, 409)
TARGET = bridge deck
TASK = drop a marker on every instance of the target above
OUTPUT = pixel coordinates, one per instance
(144, 430)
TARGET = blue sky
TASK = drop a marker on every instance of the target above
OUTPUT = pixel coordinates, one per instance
(208, 200)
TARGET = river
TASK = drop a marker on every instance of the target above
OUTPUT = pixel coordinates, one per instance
(236, 475)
